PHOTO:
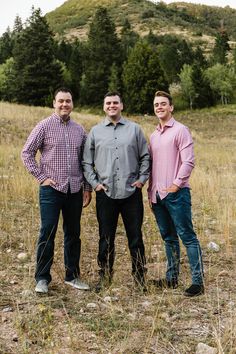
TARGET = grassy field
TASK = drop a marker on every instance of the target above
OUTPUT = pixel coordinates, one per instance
(119, 319)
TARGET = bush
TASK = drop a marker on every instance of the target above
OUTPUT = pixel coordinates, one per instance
(148, 14)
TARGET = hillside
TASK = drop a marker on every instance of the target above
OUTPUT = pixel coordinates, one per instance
(119, 320)
(190, 20)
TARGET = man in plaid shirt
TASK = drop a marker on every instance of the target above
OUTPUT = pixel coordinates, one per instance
(60, 142)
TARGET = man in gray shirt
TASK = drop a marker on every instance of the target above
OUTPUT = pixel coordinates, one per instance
(116, 164)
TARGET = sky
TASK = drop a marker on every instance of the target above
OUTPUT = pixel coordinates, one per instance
(22, 8)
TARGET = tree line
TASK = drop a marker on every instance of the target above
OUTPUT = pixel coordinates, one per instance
(33, 63)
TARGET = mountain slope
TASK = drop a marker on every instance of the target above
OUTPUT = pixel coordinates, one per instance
(74, 16)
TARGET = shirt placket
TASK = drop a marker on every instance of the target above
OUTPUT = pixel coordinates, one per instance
(117, 176)
(68, 152)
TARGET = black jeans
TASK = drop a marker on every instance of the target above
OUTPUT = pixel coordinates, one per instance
(131, 210)
(51, 203)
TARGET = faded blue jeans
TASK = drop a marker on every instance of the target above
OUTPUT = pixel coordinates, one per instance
(174, 219)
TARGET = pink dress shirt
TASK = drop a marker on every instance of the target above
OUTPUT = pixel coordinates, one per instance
(171, 149)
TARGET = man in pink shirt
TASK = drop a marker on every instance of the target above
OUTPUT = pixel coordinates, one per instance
(171, 148)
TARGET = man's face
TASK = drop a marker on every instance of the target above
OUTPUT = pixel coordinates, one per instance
(162, 108)
(63, 104)
(112, 107)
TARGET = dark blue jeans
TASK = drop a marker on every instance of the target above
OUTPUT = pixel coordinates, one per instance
(174, 219)
(131, 210)
(52, 202)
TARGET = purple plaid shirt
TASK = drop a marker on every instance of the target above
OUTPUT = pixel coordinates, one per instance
(61, 146)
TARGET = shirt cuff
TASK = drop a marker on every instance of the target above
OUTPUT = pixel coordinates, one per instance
(143, 179)
(41, 178)
(178, 182)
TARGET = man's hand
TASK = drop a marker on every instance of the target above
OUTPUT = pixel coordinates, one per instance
(137, 184)
(172, 189)
(48, 182)
(87, 196)
(100, 187)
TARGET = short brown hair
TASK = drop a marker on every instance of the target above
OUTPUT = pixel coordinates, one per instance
(113, 93)
(164, 94)
(62, 89)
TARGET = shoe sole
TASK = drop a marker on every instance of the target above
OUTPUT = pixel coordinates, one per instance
(77, 287)
(41, 292)
(193, 295)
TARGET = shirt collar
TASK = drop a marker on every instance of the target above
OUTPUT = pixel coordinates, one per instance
(56, 116)
(107, 121)
(169, 124)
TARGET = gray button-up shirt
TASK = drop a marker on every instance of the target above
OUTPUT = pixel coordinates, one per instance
(116, 156)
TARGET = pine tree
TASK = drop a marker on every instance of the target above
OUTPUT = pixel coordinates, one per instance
(221, 47)
(173, 54)
(6, 46)
(76, 67)
(204, 96)
(199, 57)
(142, 76)
(103, 50)
(37, 72)
(128, 39)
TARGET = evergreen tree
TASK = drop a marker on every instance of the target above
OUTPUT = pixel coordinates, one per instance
(221, 47)
(173, 54)
(142, 76)
(76, 67)
(103, 50)
(199, 58)
(204, 96)
(63, 51)
(128, 39)
(152, 39)
(114, 80)
(37, 72)
(6, 46)
(18, 26)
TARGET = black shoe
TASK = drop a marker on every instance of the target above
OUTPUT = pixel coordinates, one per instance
(164, 283)
(194, 290)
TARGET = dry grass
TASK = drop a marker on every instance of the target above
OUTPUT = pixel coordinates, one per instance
(120, 319)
